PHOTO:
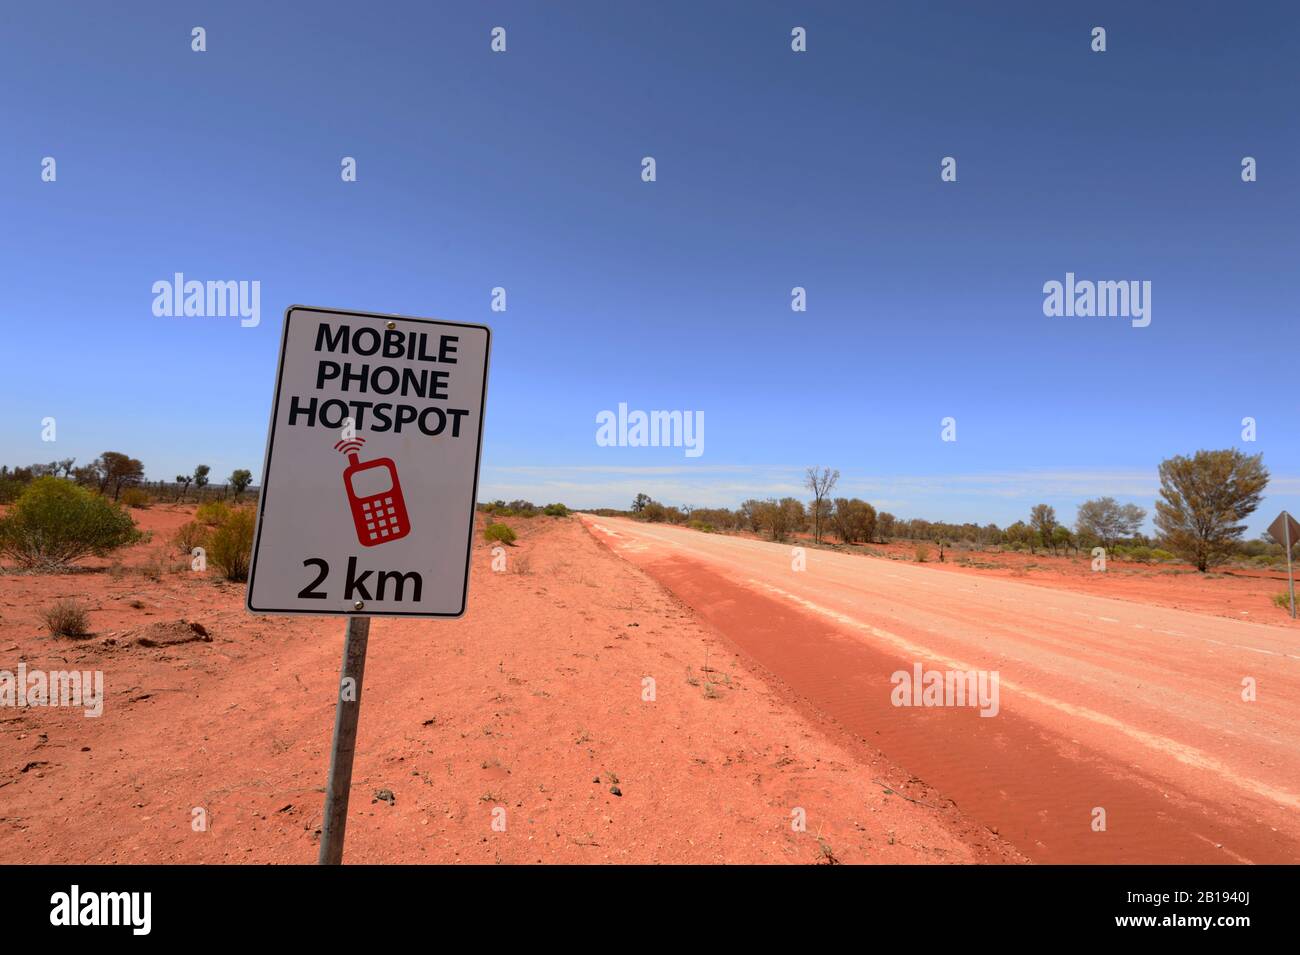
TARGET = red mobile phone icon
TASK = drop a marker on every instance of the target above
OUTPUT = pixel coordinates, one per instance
(375, 496)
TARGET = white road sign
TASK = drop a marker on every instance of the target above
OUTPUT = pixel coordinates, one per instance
(371, 470)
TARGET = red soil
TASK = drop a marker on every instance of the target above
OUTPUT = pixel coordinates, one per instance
(532, 703)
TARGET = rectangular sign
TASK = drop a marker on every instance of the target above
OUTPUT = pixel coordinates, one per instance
(371, 469)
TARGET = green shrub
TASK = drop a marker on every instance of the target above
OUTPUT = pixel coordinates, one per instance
(55, 522)
(191, 535)
(499, 532)
(1158, 554)
(1283, 600)
(555, 510)
(135, 497)
(701, 526)
(231, 545)
(10, 489)
(67, 618)
(1141, 554)
(212, 513)
(922, 553)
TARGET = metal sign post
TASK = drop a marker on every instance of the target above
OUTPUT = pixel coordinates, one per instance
(1287, 530)
(1290, 574)
(346, 716)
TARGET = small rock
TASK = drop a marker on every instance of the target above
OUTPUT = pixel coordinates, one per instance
(615, 790)
(385, 795)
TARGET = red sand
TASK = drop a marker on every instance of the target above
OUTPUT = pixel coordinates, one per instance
(531, 703)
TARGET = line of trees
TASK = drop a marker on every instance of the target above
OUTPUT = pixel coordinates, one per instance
(1204, 500)
(114, 474)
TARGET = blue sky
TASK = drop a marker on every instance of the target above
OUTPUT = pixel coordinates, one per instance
(775, 169)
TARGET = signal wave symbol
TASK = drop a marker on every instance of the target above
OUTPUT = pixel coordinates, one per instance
(349, 447)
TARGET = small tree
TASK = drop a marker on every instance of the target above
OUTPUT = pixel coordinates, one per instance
(820, 481)
(114, 471)
(793, 516)
(1202, 500)
(201, 473)
(854, 520)
(1020, 535)
(239, 481)
(1043, 519)
(640, 502)
(184, 480)
(1107, 521)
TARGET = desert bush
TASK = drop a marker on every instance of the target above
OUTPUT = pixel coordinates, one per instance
(499, 532)
(1158, 554)
(1141, 554)
(701, 526)
(55, 522)
(212, 513)
(1283, 600)
(555, 510)
(231, 544)
(922, 552)
(191, 535)
(10, 488)
(135, 497)
(160, 565)
(854, 520)
(67, 618)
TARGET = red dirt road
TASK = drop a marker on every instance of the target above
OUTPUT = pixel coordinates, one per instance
(1105, 704)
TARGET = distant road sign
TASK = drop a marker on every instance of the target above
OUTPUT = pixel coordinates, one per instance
(375, 518)
(1286, 532)
(1285, 528)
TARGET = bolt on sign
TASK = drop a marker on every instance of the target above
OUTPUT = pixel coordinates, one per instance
(371, 468)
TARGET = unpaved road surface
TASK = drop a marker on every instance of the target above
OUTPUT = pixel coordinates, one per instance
(1110, 712)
